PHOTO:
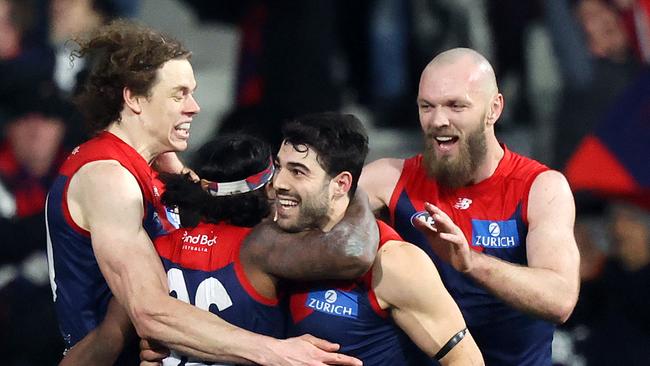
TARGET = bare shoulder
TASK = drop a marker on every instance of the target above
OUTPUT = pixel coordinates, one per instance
(379, 179)
(550, 195)
(99, 186)
(399, 258)
(401, 271)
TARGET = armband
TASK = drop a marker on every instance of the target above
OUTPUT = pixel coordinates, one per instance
(450, 344)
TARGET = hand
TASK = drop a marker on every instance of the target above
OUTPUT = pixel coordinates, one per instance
(152, 353)
(446, 239)
(308, 350)
(193, 175)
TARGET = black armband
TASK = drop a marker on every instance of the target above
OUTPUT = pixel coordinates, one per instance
(450, 344)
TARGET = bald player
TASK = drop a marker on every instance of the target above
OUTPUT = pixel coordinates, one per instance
(498, 226)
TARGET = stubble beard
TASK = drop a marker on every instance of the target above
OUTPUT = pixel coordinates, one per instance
(313, 213)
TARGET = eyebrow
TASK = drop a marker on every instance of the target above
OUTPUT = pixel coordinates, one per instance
(183, 88)
(293, 164)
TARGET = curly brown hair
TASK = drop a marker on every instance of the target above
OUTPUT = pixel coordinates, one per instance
(121, 54)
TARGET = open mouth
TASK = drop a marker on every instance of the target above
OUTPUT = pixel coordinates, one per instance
(445, 143)
(183, 130)
(284, 205)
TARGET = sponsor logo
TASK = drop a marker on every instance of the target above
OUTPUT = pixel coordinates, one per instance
(495, 234)
(423, 216)
(198, 243)
(333, 302)
(463, 203)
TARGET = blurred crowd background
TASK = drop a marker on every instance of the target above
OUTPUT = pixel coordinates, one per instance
(574, 74)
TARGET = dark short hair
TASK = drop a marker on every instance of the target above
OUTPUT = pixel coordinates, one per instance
(225, 159)
(121, 54)
(340, 140)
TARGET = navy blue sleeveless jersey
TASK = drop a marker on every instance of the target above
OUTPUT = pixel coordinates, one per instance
(80, 291)
(492, 215)
(203, 269)
(347, 313)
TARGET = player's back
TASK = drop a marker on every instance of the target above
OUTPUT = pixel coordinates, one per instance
(203, 269)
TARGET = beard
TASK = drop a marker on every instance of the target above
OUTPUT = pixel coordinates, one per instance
(459, 171)
(313, 212)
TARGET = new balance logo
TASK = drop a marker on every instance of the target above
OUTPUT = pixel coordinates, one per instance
(463, 203)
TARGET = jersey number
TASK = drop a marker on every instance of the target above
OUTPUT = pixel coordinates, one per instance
(210, 291)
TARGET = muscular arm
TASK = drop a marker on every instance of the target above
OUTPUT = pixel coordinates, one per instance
(108, 202)
(422, 308)
(549, 285)
(346, 251)
(379, 179)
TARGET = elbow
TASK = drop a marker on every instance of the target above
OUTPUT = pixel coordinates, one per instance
(564, 310)
(360, 263)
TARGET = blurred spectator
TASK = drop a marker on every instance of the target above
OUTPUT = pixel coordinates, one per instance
(596, 64)
(636, 18)
(30, 155)
(611, 324)
(70, 19)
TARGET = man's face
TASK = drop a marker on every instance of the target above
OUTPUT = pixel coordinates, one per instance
(167, 112)
(302, 189)
(452, 111)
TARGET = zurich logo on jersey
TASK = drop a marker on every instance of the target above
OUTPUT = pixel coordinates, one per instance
(495, 234)
(333, 302)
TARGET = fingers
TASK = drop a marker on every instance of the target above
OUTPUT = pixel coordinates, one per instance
(320, 343)
(152, 352)
(340, 359)
(442, 221)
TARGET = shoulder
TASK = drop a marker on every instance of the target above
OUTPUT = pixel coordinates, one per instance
(401, 257)
(379, 179)
(390, 166)
(104, 178)
(550, 195)
(400, 271)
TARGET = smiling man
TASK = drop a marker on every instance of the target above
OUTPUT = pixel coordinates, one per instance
(398, 313)
(502, 232)
(104, 208)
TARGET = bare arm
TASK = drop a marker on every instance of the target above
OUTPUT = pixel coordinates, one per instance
(346, 251)
(548, 286)
(422, 308)
(104, 344)
(108, 203)
(379, 179)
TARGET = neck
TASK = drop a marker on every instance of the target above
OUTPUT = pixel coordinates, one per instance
(493, 156)
(135, 138)
(336, 212)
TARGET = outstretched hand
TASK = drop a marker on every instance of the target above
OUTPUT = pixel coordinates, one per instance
(446, 239)
(308, 350)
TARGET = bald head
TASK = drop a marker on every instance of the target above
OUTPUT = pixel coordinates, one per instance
(476, 68)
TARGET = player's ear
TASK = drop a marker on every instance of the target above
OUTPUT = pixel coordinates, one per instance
(342, 183)
(132, 101)
(494, 110)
